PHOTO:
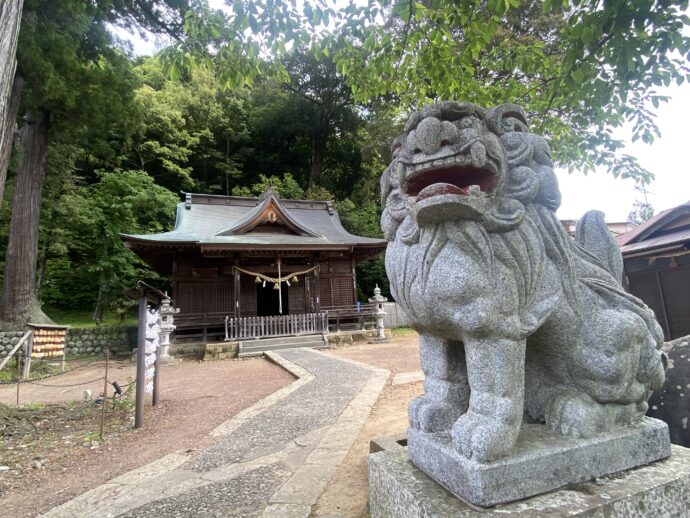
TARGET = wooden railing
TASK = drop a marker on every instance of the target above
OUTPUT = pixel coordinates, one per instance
(349, 317)
(200, 319)
(282, 325)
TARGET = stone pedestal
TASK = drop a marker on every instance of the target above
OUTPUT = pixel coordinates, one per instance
(540, 461)
(166, 359)
(399, 489)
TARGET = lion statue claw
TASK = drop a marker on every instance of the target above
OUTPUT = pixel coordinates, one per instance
(515, 317)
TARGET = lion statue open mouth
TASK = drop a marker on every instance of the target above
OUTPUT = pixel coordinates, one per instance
(515, 317)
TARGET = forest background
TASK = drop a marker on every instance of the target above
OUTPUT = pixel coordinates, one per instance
(306, 97)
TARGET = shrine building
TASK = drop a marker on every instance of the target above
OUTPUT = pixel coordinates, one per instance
(258, 267)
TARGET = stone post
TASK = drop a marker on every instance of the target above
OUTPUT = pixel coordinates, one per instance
(166, 329)
(378, 299)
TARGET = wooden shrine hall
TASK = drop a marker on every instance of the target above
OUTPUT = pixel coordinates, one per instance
(245, 268)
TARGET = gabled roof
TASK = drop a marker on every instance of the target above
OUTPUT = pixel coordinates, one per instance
(269, 211)
(232, 222)
(669, 228)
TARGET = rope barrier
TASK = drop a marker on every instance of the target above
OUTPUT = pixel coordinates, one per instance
(63, 386)
(51, 375)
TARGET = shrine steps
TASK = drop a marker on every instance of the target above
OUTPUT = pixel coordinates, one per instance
(257, 347)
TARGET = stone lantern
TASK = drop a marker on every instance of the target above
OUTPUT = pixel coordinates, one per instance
(167, 327)
(378, 300)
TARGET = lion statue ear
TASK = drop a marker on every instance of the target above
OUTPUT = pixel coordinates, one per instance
(507, 118)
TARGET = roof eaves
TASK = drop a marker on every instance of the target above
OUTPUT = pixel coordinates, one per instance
(253, 218)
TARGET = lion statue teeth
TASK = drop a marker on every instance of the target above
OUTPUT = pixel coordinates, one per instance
(515, 317)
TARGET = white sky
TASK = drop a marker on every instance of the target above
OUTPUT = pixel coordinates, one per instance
(667, 158)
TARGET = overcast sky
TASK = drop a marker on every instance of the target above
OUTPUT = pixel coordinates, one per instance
(667, 158)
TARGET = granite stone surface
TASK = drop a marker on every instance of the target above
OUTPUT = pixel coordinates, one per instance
(515, 317)
(309, 407)
(540, 461)
(399, 489)
(671, 403)
(241, 496)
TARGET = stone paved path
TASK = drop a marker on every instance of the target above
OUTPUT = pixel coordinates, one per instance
(273, 459)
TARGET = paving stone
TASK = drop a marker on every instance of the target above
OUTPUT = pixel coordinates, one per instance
(313, 405)
(243, 496)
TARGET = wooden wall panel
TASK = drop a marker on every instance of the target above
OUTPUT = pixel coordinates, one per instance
(247, 295)
(342, 289)
(325, 292)
(204, 296)
(296, 298)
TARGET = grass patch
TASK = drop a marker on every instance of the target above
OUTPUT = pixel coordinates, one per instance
(82, 317)
(38, 370)
(403, 331)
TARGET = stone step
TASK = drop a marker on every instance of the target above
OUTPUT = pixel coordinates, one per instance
(255, 347)
(298, 339)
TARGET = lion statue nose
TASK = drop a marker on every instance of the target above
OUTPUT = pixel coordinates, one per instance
(431, 135)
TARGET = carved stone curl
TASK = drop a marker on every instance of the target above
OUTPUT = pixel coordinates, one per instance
(515, 317)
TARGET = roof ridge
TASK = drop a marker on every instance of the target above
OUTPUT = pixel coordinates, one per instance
(197, 198)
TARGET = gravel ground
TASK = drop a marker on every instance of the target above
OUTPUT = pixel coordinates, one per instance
(399, 355)
(195, 398)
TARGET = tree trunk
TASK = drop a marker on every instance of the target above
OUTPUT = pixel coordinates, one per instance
(317, 159)
(18, 304)
(10, 20)
(7, 131)
(100, 301)
(49, 236)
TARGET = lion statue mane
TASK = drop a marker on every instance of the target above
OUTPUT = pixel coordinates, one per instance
(516, 318)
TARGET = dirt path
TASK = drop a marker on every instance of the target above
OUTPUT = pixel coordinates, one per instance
(347, 493)
(195, 398)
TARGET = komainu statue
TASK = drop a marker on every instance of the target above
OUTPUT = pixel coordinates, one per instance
(517, 320)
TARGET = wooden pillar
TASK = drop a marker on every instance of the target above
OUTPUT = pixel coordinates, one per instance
(354, 280)
(236, 290)
(317, 284)
(663, 318)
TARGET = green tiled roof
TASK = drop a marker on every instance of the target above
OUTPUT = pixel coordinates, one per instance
(202, 218)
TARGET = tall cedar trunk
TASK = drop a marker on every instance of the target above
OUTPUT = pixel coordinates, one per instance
(18, 304)
(10, 21)
(7, 130)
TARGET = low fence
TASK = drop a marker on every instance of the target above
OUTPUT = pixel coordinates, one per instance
(395, 316)
(281, 325)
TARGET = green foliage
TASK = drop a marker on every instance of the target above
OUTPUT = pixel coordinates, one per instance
(580, 69)
(125, 403)
(90, 254)
(286, 187)
(190, 134)
(229, 109)
(82, 317)
(642, 211)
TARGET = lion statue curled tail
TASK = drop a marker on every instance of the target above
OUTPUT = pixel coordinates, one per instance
(515, 317)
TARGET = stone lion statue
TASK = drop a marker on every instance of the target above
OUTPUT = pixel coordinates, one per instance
(515, 317)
